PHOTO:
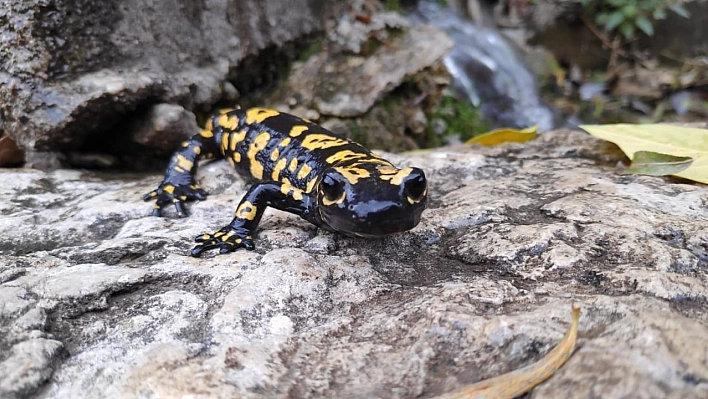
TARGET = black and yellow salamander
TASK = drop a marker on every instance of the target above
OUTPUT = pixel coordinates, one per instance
(298, 167)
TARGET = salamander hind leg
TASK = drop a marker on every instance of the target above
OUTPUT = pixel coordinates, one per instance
(179, 184)
(170, 193)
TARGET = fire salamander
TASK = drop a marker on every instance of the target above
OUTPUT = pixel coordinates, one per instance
(298, 167)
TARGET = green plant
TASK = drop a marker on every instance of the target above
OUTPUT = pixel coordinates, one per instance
(393, 5)
(315, 46)
(460, 117)
(626, 16)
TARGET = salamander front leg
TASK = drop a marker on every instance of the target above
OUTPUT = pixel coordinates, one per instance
(179, 184)
(239, 233)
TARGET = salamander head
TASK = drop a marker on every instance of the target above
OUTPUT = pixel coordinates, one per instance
(368, 200)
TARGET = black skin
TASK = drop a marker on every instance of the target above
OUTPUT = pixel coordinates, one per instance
(297, 167)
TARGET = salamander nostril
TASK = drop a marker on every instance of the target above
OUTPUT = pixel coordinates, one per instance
(415, 187)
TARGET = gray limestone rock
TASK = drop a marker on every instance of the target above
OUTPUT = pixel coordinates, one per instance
(99, 299)
(69, 69)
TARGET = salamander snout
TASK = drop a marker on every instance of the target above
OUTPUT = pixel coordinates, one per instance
(372, 201)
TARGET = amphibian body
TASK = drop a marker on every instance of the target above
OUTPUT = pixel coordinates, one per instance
(298, 167)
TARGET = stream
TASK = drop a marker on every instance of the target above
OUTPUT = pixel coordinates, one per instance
(487, 70)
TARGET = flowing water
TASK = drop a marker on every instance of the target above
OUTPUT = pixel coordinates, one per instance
(487, 70)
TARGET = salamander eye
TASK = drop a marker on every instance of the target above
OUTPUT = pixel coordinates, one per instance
(332, 189)
(415, 188)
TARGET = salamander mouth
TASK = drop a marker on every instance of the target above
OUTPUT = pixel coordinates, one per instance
(372, 229)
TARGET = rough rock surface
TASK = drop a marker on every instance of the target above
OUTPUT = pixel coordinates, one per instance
(98, 299)
(73, 68)
(345, 83)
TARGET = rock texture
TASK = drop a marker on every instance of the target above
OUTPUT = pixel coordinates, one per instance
(376, 79)
(98, 299)
(70, 69)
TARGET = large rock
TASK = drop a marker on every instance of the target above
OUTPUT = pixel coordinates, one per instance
(101, 300)
(361, 63)
(72, 69)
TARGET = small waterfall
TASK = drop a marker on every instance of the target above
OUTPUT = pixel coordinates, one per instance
(487, 70)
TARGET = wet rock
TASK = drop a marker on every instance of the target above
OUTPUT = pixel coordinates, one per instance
(99, 299)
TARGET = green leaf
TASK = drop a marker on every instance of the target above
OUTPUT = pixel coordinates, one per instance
(680, 10)
(629, 11)
(627, 29)
(614, 20)
(659, 13)
(657, 164)
(601, 18)
(645, 25)
(499, 136)
(665, 139)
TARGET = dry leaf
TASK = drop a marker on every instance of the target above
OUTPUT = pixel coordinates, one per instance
(664, 139)
(499, 136)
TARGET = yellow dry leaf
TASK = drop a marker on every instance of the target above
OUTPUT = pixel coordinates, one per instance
(500, 136)
(665, 139)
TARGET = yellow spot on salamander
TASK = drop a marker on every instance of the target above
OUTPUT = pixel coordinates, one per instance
(327, 202)
(231, 161)
(284, 142)
(275, 155)
(353, 174)
(310, 185)
(197, 150)
(387, 170)
(236, 157)
(258, 115)
(224, 142)
(227, 121)
(259, 143)
(376, 161)
(184, 163)
(169, 189)
(293, 165)
(396, 178)
(207, 134)
(279, 166)
(297, 130)
(185, 144)
(236, 138)
(417, 200)
(246, 210)
(305, 170)
(321, 141)
(344, 156)
(293, 192)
